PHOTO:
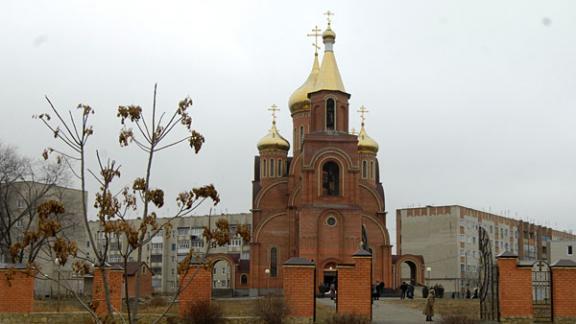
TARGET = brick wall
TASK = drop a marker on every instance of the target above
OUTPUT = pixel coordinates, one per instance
(145, 284)
(514, 289)
(564, 293)
(299, 287)
(196, 286)
(115, 285)
(17, 293)
(354, 286)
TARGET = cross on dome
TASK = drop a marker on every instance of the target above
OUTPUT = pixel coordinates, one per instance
(273, 109)
(316, 32)
(328, 14)
(362, 112)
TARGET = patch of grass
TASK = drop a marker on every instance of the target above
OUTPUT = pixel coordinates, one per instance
(446, 307)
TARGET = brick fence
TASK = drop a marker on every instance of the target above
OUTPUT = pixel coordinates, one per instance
(515, 290)
(299, 287)
(196, 287)
(354, 286)
(115, 284)
(16, 289)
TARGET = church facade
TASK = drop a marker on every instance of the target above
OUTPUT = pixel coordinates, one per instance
(325, 201)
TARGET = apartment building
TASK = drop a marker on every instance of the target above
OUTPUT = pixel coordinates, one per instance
(561, 250)
(447, 238)
(20, 201)
(166, 249)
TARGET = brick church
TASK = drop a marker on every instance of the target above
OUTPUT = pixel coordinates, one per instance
(326, 200)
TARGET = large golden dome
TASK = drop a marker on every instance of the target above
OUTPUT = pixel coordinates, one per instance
(365, 143)
(273, 140)
(329, 76)
(299, 99)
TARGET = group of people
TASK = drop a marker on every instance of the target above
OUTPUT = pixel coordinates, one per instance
(406, 291)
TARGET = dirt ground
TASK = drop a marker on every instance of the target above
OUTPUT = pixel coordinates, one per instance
(444, 306)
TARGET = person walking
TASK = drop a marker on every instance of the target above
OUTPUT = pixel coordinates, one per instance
(332, 291)
(429, 308)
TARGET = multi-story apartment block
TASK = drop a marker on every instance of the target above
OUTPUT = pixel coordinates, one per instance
(20, 201)
(165, 250)
(447, 238)
(561, 250)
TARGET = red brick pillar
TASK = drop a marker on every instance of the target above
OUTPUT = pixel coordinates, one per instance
(196, 286)
(115, 284)
(16, 289)
(564, 291)
(299, 287)
(514, 288)
(354, 295)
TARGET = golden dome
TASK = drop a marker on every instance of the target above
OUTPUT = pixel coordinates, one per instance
(273, 140)
(365, 143)
(329, 77)
(299, 99)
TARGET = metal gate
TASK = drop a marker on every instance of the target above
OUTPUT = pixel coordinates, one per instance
(488, 279)
(541, 292)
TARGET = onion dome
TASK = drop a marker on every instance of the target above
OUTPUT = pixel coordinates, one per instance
(329, 76)
(273, 140)
(365, 143)
(299, 99)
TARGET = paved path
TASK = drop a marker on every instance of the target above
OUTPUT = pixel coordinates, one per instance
(387, 313)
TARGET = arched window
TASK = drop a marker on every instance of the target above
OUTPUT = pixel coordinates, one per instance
(271, 168)
(330, 179)
(244, 279)
(372, 170)
(273, 262)
(330, 114)
(280, 168)
(364, 169)
(264, 164)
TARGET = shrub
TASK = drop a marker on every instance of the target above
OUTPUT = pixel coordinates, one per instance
(458, 319)
(347, 319)
(272, 310)
(203, 312)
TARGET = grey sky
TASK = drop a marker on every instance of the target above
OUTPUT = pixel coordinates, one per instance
(472, 102)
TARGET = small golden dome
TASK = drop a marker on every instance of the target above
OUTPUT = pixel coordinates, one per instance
(328, 33)
(365, 143)
(273, 140)
(299, 99)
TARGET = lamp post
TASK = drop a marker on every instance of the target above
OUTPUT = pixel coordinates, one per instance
(429, 271)
(267, 272)
(57, 263)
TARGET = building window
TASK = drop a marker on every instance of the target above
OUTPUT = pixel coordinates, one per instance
(271, 167)
(330, 179)
(569, 250)
(264, 169)
(280, 167)
(364, 169)
(331, 220)
(173, 246)
(243, 279)
(372, 170)
(273, 262)
(330, 114)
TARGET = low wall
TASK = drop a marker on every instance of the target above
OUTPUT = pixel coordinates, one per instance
(84, 318)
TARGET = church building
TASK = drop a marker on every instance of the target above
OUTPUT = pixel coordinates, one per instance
(325, 201)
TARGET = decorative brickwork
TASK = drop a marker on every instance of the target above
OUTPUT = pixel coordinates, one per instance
(196, 286)
(16, 291)
(299, 287)
(564, 291)
(115, 284)
(354, 286)
(514, 289)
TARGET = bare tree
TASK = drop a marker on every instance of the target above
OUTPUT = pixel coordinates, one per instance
(115, 205)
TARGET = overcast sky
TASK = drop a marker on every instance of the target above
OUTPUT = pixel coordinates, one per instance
(472, 102)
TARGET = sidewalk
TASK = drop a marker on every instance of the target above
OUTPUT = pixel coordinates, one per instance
(384, 313)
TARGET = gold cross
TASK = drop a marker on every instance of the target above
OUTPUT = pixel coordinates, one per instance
(316, 32)
(273, 109)
(328, 14)
(362, 111)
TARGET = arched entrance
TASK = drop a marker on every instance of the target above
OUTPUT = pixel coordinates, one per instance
(410, 269)
(223, 276)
